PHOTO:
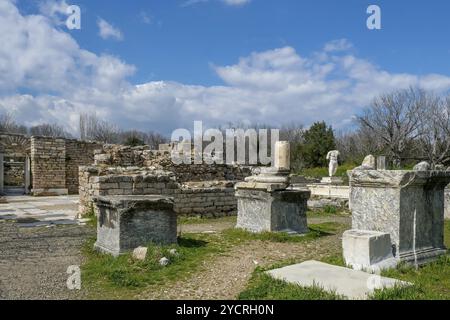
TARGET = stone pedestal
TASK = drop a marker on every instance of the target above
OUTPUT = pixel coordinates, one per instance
(270, 207)
(409, 205)
(127, 222)
(332, 180)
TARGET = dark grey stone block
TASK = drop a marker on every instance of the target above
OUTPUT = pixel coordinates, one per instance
(127, 222)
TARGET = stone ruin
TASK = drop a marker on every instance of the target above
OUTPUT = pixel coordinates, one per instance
(265, 201)
(397, 216)
(200, 190)
(43, 165)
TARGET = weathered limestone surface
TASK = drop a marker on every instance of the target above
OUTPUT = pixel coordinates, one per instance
(265, 207)
(409, 205)
(127, 222)
(369, 251)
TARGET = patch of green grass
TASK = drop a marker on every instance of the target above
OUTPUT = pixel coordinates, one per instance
(431, 282)
(320, 172)
(316, 231)
(263, 287)
(123, 277)
(199, 220)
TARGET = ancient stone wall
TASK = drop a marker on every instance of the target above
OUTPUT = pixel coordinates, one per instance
(48, 166)
(15, 146)
(115, 155)
(78, 153)
(198, 198)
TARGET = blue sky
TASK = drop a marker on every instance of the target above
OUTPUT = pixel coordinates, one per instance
(201, 43)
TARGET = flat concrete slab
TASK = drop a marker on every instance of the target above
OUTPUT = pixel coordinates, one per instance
(355, 285)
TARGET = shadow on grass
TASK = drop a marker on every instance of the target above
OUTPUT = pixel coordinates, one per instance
(191, 243)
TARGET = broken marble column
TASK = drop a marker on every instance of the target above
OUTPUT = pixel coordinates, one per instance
(127, 222)
(265, 203)
(282, 156)
(409, 205)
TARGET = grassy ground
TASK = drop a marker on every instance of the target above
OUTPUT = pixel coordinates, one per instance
(430, 282)
(105, 277)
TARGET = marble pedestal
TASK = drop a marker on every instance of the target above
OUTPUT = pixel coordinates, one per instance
(127, 222)
(270, 207)
(409, 205)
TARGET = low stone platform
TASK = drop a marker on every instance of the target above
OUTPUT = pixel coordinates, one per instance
(127, 222)
(353, 284)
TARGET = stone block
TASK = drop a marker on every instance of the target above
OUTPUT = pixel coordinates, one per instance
(260, 210)
(127, 222)
(368, 250)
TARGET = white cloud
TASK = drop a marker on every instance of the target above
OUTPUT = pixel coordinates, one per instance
(338, 45)
(108, 31)
(54, 10)
(46, 76)
(236, 2)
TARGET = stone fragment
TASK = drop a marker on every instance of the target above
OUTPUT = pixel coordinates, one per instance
(164, 262)
(140, 253)
(369, 163)
(422, 166)
(369, 251)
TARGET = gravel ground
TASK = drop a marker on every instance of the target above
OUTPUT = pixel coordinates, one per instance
(227, 275)
(33, 262)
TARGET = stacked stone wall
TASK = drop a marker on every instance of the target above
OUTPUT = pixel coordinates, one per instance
(48, 166)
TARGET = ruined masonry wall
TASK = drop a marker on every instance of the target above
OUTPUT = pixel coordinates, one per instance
(211, 200)
(48, 165)
(78, 153)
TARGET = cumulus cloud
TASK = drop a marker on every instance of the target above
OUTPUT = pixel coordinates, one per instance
(46, 77)
(108, 31)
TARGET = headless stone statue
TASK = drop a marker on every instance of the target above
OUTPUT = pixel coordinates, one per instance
(332, 156)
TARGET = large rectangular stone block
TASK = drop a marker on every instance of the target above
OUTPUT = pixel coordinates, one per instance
(127, 222)
(262, 210)
(409, 205)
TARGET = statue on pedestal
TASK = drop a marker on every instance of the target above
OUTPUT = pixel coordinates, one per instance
(332, 156)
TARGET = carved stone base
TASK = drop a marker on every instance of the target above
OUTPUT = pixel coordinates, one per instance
(261, 210)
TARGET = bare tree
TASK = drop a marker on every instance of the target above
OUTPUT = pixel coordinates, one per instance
(49, 130)
(9, 125)
(91, 128)
(154, 139)
(393, 120)
(434, 129)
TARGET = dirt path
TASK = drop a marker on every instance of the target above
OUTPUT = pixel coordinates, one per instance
(33, 262)
(227, 275)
